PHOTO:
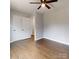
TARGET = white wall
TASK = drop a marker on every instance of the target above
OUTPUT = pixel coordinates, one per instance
(53, 24)
(20, 21)
(56, 24)
(39, 25)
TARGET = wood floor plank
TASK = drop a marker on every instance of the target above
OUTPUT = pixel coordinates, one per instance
(42, 49)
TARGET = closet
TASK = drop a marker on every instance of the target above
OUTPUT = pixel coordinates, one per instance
(21, 27)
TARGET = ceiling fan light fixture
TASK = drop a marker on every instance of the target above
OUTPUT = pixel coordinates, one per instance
(43, 5)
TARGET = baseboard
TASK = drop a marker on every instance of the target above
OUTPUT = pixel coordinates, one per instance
(44, 38)
(56, 41)
(38, 38)
(18, 40)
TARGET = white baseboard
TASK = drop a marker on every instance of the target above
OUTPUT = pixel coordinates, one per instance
(18, 40)
(46, 38)
(57, 41)
(38, 38)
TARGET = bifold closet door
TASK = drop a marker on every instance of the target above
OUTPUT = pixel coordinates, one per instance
(26, 27)
(21, 27)
(15, 28)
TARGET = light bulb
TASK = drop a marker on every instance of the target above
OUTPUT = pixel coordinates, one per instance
(43, 5)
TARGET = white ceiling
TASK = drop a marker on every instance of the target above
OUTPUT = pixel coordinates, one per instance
(26, 7)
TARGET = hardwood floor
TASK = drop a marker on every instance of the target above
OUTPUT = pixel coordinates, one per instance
(42, 49)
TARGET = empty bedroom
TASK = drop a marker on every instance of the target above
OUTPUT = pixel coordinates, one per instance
(39, 29)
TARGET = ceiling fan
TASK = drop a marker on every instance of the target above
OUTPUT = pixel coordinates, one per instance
(44, 3)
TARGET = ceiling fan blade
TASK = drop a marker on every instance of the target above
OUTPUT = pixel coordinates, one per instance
(41, 1)
(51, 1)
(39, 7)
(44, 1)
(47, 6)
(35, 2)
(51, 5)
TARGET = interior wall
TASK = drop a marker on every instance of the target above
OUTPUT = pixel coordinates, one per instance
(21, 26)
(56, 24)
(39, 25)
(53, 24)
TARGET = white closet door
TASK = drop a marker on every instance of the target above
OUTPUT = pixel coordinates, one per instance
(16, 28)
(21, 27)
(17, 21)
(26, 27)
